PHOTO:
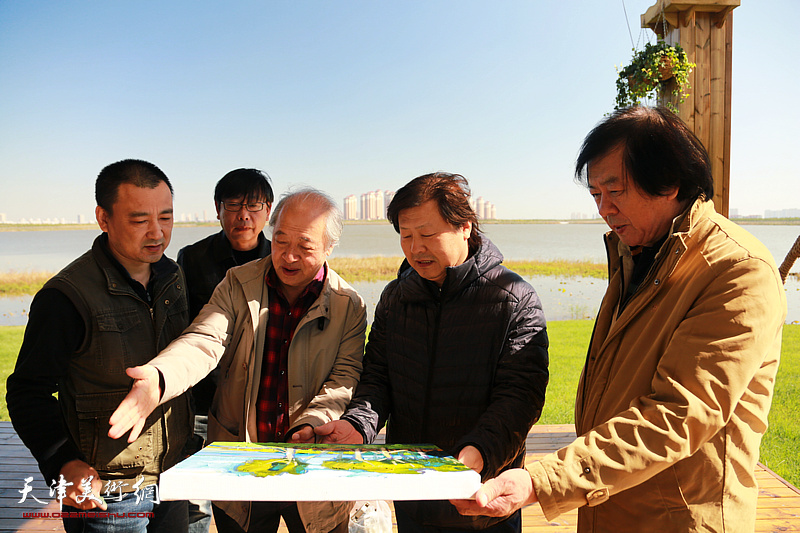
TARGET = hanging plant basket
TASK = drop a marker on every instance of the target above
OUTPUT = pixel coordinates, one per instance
(665, 69)
(644, 78)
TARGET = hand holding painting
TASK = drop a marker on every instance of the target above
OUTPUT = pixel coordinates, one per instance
(338, 432)
(305, 434)
(471, 457)
(500, 496)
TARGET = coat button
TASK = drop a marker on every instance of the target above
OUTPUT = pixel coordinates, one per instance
(597, 496)
(166, 302)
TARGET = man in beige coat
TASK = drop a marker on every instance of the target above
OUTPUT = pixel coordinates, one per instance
(674, 396)
(288, 335)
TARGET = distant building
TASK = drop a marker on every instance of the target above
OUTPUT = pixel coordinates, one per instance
(387, 199)
(373, 205)
(351, 207)
(782, 213)
(485, 209)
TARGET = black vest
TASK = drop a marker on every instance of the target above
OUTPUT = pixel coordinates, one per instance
(122, 331)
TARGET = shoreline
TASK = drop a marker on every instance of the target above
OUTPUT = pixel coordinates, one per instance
(8, 227)
(361, 269)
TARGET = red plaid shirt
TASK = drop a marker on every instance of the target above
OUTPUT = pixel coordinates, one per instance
(272, 406)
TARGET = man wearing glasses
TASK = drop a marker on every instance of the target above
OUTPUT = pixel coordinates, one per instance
(243, 200)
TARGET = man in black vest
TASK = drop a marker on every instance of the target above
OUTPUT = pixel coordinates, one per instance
(117, 305)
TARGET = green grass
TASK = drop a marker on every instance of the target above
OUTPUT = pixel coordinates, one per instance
(568, 342)
(10, 341)
(779, 448)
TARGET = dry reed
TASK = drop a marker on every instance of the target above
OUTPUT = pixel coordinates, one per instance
(353, 269)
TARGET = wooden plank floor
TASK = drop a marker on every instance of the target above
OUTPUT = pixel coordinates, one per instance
(778, 501)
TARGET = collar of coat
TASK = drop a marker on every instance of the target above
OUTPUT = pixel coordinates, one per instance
(223, 251)
(251, 277)
(682, 225)
(416, 288)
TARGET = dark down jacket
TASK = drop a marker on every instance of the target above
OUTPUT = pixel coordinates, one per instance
(462, 365)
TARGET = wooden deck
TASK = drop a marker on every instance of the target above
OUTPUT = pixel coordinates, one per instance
(778, 501)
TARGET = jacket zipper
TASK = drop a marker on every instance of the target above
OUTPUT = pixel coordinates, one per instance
(432, 359)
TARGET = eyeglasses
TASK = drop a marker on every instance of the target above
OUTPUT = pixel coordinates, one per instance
(253, 207)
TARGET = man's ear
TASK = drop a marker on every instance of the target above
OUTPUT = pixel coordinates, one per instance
(467, 228)
(102, 218)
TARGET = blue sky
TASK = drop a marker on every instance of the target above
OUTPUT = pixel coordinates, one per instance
(351, 96)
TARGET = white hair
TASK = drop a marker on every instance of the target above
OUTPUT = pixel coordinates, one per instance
(316, 199)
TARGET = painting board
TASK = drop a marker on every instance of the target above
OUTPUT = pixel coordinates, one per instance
(317, 472)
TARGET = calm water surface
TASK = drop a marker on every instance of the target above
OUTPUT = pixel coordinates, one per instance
(562, 298)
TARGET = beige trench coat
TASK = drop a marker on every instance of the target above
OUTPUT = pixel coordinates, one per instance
(324, 366)
(674, 397)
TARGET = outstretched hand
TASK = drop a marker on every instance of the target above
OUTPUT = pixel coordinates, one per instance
(138, 404)
(338, 432)
(501, 496)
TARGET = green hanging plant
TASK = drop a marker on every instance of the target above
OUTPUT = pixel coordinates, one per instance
(645, 77)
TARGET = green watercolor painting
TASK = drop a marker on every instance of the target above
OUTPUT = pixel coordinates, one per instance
(316, 472)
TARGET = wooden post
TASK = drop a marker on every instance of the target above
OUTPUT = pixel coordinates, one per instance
(704, 28)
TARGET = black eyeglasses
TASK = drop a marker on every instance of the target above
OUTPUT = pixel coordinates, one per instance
(253, 207)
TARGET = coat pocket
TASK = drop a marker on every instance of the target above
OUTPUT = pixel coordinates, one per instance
(104, 453)
(113, 328)
(670, 490)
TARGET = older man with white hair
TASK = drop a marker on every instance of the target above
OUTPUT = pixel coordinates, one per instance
(261, 324)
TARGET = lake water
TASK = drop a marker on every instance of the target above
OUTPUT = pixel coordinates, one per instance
(562, 298)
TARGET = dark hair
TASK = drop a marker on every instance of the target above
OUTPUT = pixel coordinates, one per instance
(134, 171)
(250, 183)
(659, 152)
(451, 194)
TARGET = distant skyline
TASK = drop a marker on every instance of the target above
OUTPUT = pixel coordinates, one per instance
(205, 216)
(347, 95)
